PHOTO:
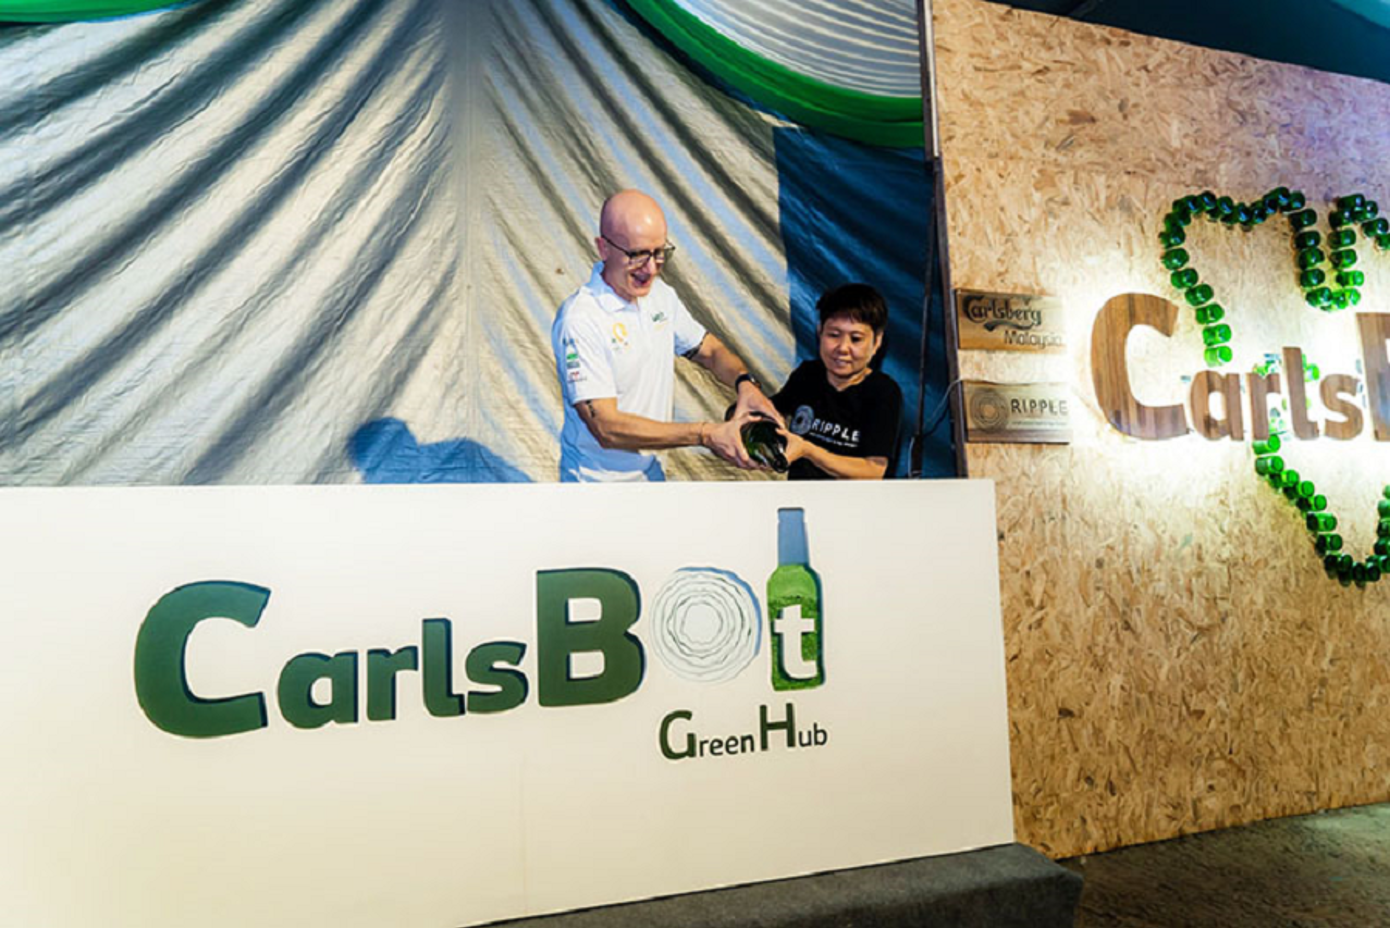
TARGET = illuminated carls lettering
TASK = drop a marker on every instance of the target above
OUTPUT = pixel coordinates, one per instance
(1229, 405)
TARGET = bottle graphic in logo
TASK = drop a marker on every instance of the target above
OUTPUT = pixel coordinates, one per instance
(793, 609)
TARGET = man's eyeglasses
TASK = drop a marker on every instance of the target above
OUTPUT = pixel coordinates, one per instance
(636, 259)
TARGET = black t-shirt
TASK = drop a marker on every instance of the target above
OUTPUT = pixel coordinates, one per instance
(859, 422)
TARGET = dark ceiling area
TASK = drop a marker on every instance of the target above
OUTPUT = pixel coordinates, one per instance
(1314, 33)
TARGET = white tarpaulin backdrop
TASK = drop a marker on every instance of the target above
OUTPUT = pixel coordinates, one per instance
(297, 241)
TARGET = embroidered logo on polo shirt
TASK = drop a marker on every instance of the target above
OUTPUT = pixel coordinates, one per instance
(620, 338)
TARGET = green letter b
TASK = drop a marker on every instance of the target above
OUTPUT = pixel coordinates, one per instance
(557, 637)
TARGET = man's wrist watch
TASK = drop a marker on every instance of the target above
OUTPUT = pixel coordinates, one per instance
(744, 378)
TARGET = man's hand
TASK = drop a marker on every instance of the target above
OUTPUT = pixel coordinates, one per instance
(725, 365)
(752, 400)
(726, 440)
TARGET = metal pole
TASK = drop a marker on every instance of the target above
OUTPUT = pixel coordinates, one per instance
(936, 242)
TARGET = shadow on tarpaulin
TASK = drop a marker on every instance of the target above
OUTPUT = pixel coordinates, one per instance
(386, 451)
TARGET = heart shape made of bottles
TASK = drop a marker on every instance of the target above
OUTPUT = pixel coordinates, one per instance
(1339, 291)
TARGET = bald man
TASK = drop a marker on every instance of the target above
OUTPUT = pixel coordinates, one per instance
(615, 340)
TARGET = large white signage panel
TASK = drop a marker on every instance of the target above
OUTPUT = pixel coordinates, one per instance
(440, 706)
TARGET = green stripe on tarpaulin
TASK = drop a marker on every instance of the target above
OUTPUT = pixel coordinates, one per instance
(878, 120)
(66, 11)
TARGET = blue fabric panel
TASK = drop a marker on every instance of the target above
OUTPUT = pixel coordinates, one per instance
(851, 212)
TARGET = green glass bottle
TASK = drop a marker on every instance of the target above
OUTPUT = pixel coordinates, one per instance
(1225, 207)
(1313, 277)
(1296, 201)
(1183, 279)
(1383, 528)
(1373, 571)
(1216, 334)
(1358, 573)
(1302, 219)
(1215, 357)
(1337, 218)
(1270, 445)
(1211, 313)
(794, 609)
(1199, 295)
(765, 444)
(1343, 259)
(1321, 522)
(1172, 238)
(1209, 201)
(1270, 464)
(1329, 543)
(1317, 502)
(1175, 258)
(1383, 242)
(1371, 209)
(1319, 297)
(1382, 547)
(1308, 239)
(1342, 238)
(1310, 257)
(1351, 279)
(1383, 508)
(1351, 201)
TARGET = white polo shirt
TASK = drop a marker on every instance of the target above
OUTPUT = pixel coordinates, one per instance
(606, 347)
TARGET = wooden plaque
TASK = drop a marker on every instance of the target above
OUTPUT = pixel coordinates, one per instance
(1009, 322)
(1020, 413)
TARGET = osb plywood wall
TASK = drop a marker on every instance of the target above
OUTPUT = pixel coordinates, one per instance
(1178, 660)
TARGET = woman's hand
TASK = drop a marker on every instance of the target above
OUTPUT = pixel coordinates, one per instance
(796, 445)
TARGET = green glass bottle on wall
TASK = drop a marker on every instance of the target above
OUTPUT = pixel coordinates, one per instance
(1212, 312)
(794, 609)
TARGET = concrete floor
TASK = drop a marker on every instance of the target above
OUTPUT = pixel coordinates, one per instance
(1329, 870)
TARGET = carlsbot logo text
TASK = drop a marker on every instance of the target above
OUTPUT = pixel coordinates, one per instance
(704, 625)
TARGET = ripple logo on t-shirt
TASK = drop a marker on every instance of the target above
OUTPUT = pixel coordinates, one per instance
(802, 421)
